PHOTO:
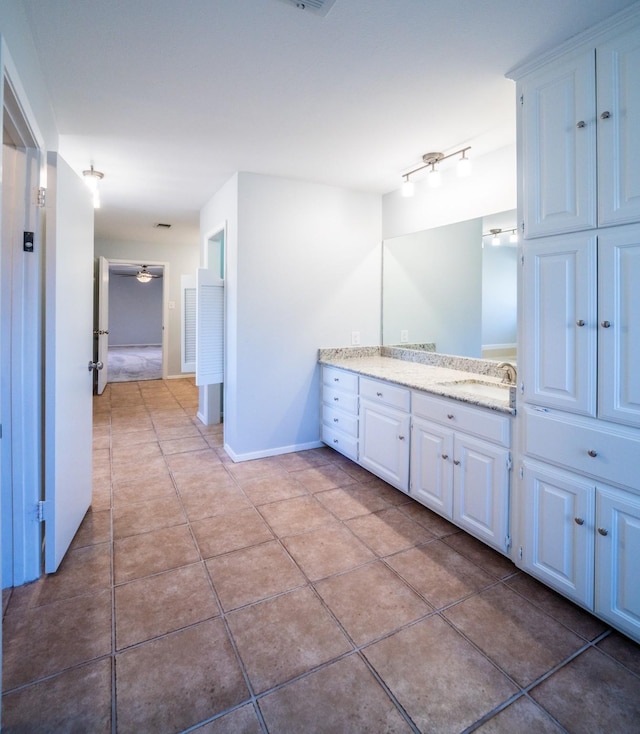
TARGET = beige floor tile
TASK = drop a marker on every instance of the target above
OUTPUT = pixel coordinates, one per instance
(327, 550)
(296, 515)
(371, 601)
(301, 460)
(434, 523)
(225, 533)
(241, 721)
(94, 529)
(169, 431)
(352, 501)
(592, 694)
(174, 682)
(193, 461)
(71, 631)
(182, 444)
(149, 553)
(209, 501)
(440, 679)
(166, 602)
(623, 649)
(126, 492)
(319, 478)
(252, 574)
(212, 476)
(134, 439)
(272, 487)
(529, 643)
(394, 497)
(388, 531)
(77, 700)
(143, 470)
(358, 473)
(572, 616)
(521, 716)
(123, 453)
(439, 573)
(342, 697)
(283, 637)
(257, 468)
(142, 517)
(491, 561)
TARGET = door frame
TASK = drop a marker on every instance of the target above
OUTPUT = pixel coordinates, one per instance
(21, 345)
(165, 300)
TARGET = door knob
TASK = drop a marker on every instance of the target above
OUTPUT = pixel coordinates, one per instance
(580, 322)
(581, 124)
(605, 115)
(95, 365)
(579, 521)
(606, 324)
(603, 531)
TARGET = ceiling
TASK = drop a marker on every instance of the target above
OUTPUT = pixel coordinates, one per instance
(170, 97)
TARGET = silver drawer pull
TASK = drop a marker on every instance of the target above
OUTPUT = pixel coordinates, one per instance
(401, 438)
(606, 324)
(456, 462)
(580, 322)
(592, 453)
(445, 456)
(581, 124)
(450, 416)
(335, 420)
(603, 531)
(336, 379)
(335, 440)
(605, 115)
(579, 520)
(379, 394)
(336, 399)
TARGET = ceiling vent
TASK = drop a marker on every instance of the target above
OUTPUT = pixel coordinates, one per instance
(317, 7)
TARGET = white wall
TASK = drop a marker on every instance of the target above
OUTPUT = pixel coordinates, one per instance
(135, 311)
(303, 272)
(491, 188)
(182, 259)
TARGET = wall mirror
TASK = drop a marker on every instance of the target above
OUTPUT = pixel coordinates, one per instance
(452, 286)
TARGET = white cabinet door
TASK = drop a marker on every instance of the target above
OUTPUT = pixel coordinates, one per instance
(617, 554)
(559, 147)
(432, 466)
(561, 332)
(619, 329)
(618, 84)
(384, 443)
(559, 530)
(481, 490)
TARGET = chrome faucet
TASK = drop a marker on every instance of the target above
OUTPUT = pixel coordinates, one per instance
(510, 374)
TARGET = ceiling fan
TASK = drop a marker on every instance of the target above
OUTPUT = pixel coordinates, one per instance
(143, 275)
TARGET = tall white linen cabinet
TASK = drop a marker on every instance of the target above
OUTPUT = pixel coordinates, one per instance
(578, 498)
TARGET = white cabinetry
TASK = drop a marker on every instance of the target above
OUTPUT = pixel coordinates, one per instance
(384, 421)
(340, 411)
(582, 323)
(580, 139)
(456, 473)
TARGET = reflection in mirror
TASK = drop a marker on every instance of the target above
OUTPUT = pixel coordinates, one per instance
(451, 286)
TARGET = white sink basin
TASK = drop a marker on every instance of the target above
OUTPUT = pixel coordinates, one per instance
(483, 389)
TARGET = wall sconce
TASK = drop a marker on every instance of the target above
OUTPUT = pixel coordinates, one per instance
(496, 233)
(92, 178)
(432, 161)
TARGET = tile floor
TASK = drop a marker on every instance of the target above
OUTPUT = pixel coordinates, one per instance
(290, 594)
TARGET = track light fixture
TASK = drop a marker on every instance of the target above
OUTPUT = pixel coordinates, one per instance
(432, 161)
(496, 239)
(92, 178)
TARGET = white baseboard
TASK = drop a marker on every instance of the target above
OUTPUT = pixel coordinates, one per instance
(236, 458)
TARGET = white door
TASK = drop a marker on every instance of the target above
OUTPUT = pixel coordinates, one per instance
(432, 466)
(103, 322)
(68, 352)
(560, 307)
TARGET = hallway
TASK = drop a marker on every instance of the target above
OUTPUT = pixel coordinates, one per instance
(289, 595)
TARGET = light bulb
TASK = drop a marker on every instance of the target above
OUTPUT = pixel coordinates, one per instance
(434, 177)
(496, 240)
(464, 167)
(513, 237)
(408, 188)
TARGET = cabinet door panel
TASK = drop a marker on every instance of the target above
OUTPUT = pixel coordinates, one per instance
(559, 528)
(432, 466)
(618, 84)
(617, 553)
(481, 490)
(559, 148)
(619, 343)
(384, 443)
(560, 338)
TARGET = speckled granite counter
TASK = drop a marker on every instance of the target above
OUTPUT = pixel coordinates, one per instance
(429, 372)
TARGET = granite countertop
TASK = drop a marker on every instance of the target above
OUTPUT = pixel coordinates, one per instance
(432, 378)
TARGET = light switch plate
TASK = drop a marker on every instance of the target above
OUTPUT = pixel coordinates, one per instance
(172, 305)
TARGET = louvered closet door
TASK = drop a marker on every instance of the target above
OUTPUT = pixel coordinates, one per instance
(209, 328)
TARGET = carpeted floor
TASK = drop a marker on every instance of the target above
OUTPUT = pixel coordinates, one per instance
(127, 364)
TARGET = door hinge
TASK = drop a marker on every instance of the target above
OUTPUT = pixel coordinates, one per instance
(520, 552)
(522, 260)
(42, 197)
(522, 472)
(522, 226)
(45, 508)
(507, 542)
(509, 462)
(522, 99)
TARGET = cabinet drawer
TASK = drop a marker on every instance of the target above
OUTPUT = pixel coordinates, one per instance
(340, 420)
(568, 441)
(346, 401)
(333, 377)
(482, 423)
(347, 445)
(385, 393)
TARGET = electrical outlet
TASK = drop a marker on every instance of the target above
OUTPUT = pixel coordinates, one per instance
(355, 338)
(404, 336)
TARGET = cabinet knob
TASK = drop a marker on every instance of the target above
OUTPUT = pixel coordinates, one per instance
(581, 124)
(336, 379)
(401, 438)
(335, 420)
(580, 322)
(456, 462)
(592, 453)
(579, 520)
(603, 531)
(445, 456)
(605, 115)
(605, 324)
(335, 440)
(379, 394)
(450, 416)
(336, 399)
